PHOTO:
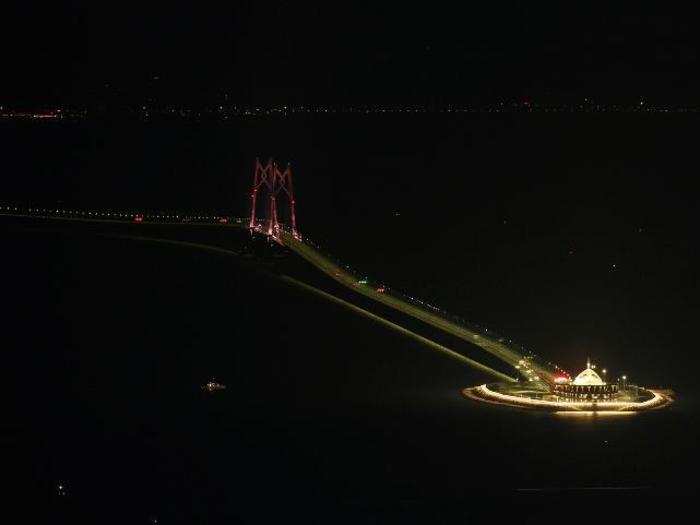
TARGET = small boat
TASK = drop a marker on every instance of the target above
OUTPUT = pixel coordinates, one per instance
(212, 386)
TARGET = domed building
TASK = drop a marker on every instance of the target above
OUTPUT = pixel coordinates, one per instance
(586, 385)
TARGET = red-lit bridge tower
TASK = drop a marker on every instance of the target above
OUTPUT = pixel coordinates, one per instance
(270, 183)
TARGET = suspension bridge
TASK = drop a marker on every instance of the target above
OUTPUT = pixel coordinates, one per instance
(273, 215)
(270, 185)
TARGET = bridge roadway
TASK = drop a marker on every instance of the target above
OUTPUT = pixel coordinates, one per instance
(323, 263)
(495, 348)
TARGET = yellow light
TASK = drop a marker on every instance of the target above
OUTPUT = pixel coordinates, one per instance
(591, 413)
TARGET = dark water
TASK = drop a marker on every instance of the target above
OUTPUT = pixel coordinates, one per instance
(327, 415)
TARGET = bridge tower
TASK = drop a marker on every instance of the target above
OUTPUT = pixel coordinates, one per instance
(262, 179)
(272, 183)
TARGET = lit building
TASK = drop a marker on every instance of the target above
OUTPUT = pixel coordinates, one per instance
(586, 385)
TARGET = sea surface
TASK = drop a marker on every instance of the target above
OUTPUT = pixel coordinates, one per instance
(571, 233)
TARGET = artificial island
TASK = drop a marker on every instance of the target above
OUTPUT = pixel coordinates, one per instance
(586, 394)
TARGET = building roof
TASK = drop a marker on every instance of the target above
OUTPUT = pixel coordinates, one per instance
(588, 377)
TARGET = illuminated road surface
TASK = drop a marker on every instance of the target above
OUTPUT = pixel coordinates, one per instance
(501, 351)
(296, 283)
(385, 322)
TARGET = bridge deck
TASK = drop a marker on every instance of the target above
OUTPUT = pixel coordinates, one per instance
(496, 348)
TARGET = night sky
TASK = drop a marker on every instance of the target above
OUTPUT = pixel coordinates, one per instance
(282, 52)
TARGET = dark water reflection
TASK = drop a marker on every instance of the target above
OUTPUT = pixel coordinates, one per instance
(323, 410)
